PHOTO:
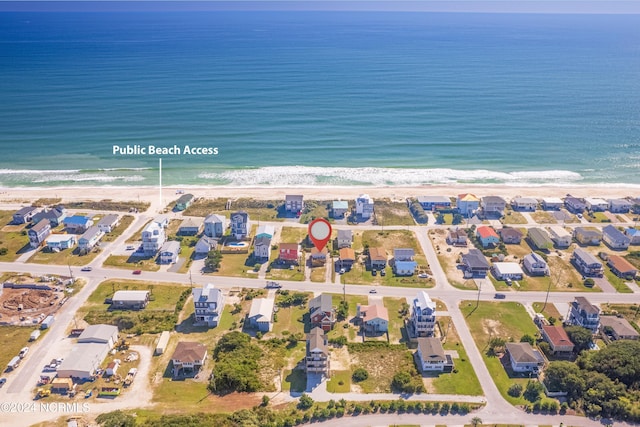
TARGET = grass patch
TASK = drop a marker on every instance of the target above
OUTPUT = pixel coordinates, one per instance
(166, 302)
(236, 265)
(513, 217)
(339, 329)
(293, 235)
(543, 217)
(319, 274)
(549, 311)
(137, 236)
(125, 222)
(291, 319)
(463, 379)
(340, 382)
(617, 282)
(294, 380)
(12, 339)
(132, 262)
(597, 217)
(392, 213)
(64, 257)
(397, 331)
(631, 312)
(108, 205)
(382, 362)
(508, 320)
(316, 209)
(258, 210)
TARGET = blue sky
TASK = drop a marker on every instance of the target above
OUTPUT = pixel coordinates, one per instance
(501, 6)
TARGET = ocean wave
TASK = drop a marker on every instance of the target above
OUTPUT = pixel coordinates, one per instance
(62, 176)
(310, 176)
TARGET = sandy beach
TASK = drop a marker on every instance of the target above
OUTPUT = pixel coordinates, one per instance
(152, 194)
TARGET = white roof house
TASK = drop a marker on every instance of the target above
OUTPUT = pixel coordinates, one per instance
(99, 334)
(507, 270)
(261, 313)
(552, 203)
(560, 236)
(266, 230)
(130, 296)
(596, 204)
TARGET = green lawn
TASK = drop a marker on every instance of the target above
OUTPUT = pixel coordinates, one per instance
(236, 265)
(392, 213)
(617, 282)
(549, 311)
(396, 320)
(463, 379)
(339, 328)
(164, 295)
(132, 263)
(513, 217)
(65, 257)
(316, 209)
(340, 382)
(125, 222)
(319, 274)
(382, 363)
(507, 320)
(293, 235)
(12, 237)
(108, 205)
(294, 380)
(12, 339)
(290, 319)
(597, 217)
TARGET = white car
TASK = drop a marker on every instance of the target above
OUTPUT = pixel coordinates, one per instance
(423, 275)
(86, 269)
(24, 352)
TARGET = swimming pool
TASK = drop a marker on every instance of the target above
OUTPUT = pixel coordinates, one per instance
(237, 244)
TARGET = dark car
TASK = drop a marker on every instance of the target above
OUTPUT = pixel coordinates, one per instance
(137, 271)
(499, 296)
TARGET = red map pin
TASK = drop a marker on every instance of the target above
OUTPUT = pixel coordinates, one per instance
(319, 232)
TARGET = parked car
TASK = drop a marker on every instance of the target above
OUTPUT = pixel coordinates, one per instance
(383, 273)
(373, 291)
(2, 381)
(374, 273)
(24, 351)
(342, 271)
(499, 296)
(86, 269)
(423, 275)
(137, 271)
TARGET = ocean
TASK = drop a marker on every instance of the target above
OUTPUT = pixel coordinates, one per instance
(320, 98)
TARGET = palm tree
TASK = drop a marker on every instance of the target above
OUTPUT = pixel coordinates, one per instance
(476, 421)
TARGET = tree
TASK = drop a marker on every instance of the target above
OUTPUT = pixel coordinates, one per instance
(515, 390)
(528, 338)
(116, 419)
(213, 260)
(476, 421)
(360, 374)
(619, 361)
(305, 401)
(342, 311)
(265, 400)
(580, 337)
(565, 376)
(496, 344)
(532, 391)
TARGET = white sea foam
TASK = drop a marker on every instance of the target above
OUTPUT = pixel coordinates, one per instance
(309, 176)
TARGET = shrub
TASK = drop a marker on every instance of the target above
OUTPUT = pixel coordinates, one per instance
(515, 390)
(305, 402)
(359, 374)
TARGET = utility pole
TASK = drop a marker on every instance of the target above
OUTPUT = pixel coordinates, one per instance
(190, 279)
(71, 274)
(479, 290)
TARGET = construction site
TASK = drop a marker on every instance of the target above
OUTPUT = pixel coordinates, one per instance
(25, 300)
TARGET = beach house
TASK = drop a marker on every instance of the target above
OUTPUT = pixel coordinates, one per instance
(487, 236)
(560, 236)
(57, 242)
(347, 258)
(457, 237)
(364, 206)
(523, 357)
(557, 337)
(184, 202)
(24, 215)
(344, 239)
(188, 357)
(430, 355)
(574, 204)
(619, 205)
(215, 225)
(587, 236)
(153, 237)
(339, 208)
(318, 257)
(621, 267)
(596, 205)
(492, 206)
(322, 313)
(535, 265)
(507, 271)
(552, 203)
(615, 238)
(434, 203)
(634, 235)
(373, 318)
(377, 258)
(261, 314)
(39, 232)
(423, 315)
(90, 238)
(240, 225)
(524, 204)
(317, 359)
(294, 203)
(130, 300)
(265, 231)
(539, 239)
(585, 314)
(204, 245)
(77, 223)
(55, 216)
(262, 248)
(190, 227)
(510, 235)
(108, 223)
(289, 253)
(208, 303)
(474, 264)
(467, 204)
(586, 263)
(169, 252)
(617, 328)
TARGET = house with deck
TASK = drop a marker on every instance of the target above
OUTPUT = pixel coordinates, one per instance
(130, 300)
(294, 203)
(347, 258)
(535, 265)
(208, 303)
(474, 264)
(617, 328)
(434, 203)
(215, 225)
(596, 205)
(90, 238)
(153, 237)
(558, 340)
(575, 205)
(430, 355)
(344, 238)
(587, 236)
(510, 235)
(621, 267)
(634, 235)
(169, 252)
(190, 227)
(377, 258)
(552, 203)
(24, 215)
(339, 208)
(487, 236)
(492, 206)
(289, 253)
(585, 314)
(524, 204)
(507, 271)
(262, 248)
(77, 223)
(322, 313)
(523, 357)
(615, 238)
(374, 318)
(108, 223)
(364, 206)
(205, 245)
(261, 314)
(188, 357)
(423, 315)
(240, 225)
(39, 233)
(318, 257)
(560, 236)
(467, 204)
(539, 239)
(619, 206)
(58, 242)
(317, 359)
(457, 237)
(586, 263)
(55, 216)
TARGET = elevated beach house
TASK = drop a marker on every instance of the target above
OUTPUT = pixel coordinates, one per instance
(621, 267)
(430, 355)
(535, 265)
(523, 357)
(467, 204)
(240, 225)
(552, 203)
(90, 238)
(474, 264)
(188, 357)
(507, 271)
(289, 253)
(344, 238)
(585, 314)
(204, 245)
(184, 202)
(322, 313)
(492, 206)
(364, 206)
(339, 208)
(575, 205)
(510, 235)
(596, 205)
(169, 252)
(153, 237)
(261, 314)
(108, 223)
(294, 203)
(634, 235)
(129, 300)
(347, 258)
(190, 227)
(539, 239)
(457, 237)
(615, 238)
(24, 215)
(524, 204)
(215, 225)
(618, 328)
(560, 236)
(262, 248)
(57, 242)
(557, 337)
(487, 236)
(619, 205)
(55, 216)
(208, 303)
(434, 203)
(423, 315)
(377, 258)
(587, 236)
(374, 318)
(77, 223)
(317, 359)
(38, 233)
(586, 263)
